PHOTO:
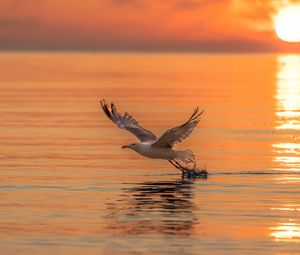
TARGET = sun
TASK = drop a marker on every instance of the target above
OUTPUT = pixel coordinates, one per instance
(287, 24)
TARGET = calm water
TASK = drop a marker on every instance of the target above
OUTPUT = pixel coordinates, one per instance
(67, 187)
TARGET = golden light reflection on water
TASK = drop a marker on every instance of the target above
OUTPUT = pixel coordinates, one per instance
(288, 111)
(286, 232)
(288, 155)
(288, 92)
(287, 150)
(288, 147)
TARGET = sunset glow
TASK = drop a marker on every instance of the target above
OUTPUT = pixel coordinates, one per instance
(185, 25)
(150, 127)
(287, 24)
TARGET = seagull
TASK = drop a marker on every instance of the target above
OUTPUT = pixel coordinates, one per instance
(149, 145)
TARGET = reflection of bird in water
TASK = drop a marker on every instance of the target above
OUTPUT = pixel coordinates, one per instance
(152, 147)
(154, 207)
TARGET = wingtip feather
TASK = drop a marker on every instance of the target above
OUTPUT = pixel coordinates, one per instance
(105, 108)
(113, 108)
(197, 116)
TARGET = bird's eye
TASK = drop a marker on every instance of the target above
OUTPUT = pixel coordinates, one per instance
(133, 144)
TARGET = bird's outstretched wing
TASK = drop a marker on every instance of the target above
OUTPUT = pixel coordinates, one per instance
(178, 134)
(127, 122)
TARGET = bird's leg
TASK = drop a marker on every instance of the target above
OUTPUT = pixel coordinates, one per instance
(177, 165)
(180, 167)
(185, 171)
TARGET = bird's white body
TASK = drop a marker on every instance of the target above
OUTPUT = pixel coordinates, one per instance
(150, 151)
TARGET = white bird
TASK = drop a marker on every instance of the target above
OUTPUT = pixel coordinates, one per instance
(150, 146)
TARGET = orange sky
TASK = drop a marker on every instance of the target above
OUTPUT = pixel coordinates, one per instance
(204, 25)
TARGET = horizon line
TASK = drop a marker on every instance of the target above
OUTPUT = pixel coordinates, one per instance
(148, 51)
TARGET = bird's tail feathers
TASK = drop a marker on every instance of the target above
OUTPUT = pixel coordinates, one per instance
(185, 156)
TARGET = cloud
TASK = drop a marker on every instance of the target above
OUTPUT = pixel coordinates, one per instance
(193, 5)
(19, 15)
(258, 15)
(127, 3)
(8, 23)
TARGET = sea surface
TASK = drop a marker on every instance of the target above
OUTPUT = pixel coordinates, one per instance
(67, 187)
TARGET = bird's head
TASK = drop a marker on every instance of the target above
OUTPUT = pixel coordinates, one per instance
(132, 146)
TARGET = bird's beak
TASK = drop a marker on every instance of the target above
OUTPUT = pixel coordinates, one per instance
(125, 146)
